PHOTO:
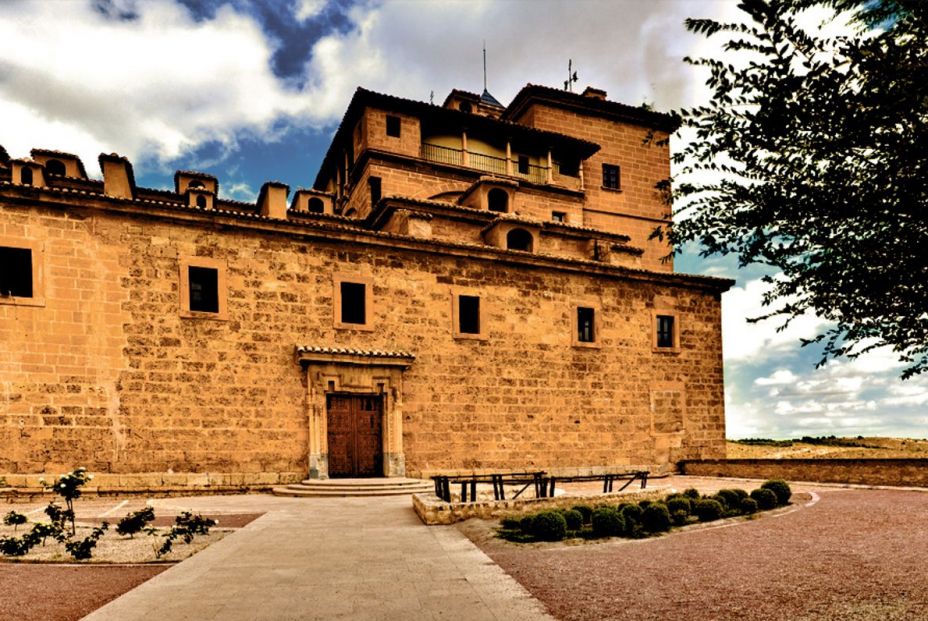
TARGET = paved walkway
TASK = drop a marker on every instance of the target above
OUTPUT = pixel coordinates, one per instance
(327, 559)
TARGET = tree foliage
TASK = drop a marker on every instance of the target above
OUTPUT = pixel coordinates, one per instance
(812, 158)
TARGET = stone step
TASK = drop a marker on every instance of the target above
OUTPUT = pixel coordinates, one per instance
(379, 482)
(310, 492)
(355, 487)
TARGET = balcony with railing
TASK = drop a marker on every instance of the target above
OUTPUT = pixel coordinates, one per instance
(498, 165)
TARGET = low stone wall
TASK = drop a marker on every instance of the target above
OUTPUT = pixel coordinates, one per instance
(432, 510)
(161, 483)
(894, 472)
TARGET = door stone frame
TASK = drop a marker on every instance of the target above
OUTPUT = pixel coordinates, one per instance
(359, 372)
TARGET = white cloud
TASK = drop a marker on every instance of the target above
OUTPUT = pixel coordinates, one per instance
(779, 377)
(305, 10)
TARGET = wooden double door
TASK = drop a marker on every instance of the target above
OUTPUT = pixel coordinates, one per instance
(355, 434)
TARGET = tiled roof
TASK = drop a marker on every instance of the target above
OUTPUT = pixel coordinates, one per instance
(376, 353)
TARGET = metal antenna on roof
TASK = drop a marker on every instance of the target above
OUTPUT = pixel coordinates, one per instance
(484, 64)
(571, 76)
(432, 98)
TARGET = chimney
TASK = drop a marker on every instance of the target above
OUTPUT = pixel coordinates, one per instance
(118, 178)
(272, 200)
(594, 93)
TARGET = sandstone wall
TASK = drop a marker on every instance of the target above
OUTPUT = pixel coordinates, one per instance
(896, 472)
(109, 375)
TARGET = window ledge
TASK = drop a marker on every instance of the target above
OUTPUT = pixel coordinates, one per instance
(666, 350)
(586, 345)
(616, 190)
(189, 314)
(464, 336)
(361, 327)
(13, 300)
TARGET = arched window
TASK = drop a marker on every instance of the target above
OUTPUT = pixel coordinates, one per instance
(316, 205)
(55, 167)
(201, 202)
(195, 184)
(498, 200)
(519, 239)
(25, 176)
(465, 106)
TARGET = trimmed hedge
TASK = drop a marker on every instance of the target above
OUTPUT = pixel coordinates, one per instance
(585, 510)
(549, 526)
(708, 510)
(679, 503)
(766, 499)
(748, 506)
(607, 522)
(573, 518)
(656, 518)
(780, 488)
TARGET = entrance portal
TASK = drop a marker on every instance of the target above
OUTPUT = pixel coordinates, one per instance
(354, 435)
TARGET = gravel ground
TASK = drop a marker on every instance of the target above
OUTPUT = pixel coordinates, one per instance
(854, 555)
(40, 592)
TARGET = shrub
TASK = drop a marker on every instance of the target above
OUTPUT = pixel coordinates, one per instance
(16, 546)
(731, 498)
(748, 506)
(707, 509)
(585, 510)
(81, 549)
(656, 518)
(42, 530)
(607, 522)
(766, 499)
(780, 488)
(68, 486)
(574, 519)
(631, 512)
(14, 519)
(58, 517)
(741, 493)
(135, 521)
(679, 503)
(679, 517)
(692, 492)
(526, 524)
(645, 503)
(510, 524)
(188, 525)
(549, 526)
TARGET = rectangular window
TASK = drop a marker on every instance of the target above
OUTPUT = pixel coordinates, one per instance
(204, 289)
(569, 167)
(585, 324)
(559, 216)
(354, 302)
(374, 183)
(523, 164)
(393, 126)
(469, 314)
(612, 177)
(15, 272)
(665, 331)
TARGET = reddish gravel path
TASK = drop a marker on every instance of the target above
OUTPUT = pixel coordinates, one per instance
(855, 555)
(39, 592)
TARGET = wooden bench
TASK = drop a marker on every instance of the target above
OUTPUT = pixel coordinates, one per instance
(545, 486)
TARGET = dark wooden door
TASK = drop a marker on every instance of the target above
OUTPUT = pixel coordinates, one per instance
(355, 438)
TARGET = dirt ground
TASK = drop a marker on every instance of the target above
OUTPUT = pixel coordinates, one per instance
(863, 448)
(849, 555)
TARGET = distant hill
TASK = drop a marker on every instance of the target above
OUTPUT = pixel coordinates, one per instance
(829, 447)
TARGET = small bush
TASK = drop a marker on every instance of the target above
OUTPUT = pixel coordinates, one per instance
(632, 512)
(526, 524)
(14, 519)
(731, 499)
(645, 503)
(741, 493)
(585, 510)
(607, 522)
(679, 503)
(510, 524)
(766, 499)
(186, 526)
(135, 521)
(692, 492)
(656, 518)
(707, 509)
(748, 506)
(42, 531)
(679, 518)
(81, 549)
(780, 488)
(549, 526)
(574, 519)
(16, 546)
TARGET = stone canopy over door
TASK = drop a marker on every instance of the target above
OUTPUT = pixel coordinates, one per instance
(359, 393)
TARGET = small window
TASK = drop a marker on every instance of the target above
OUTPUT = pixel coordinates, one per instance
(559, 216)
(523, 164)
(612, 177)
(393, 126)
(468, 314)
(374, 183)
(665, 331)
(25, 175)
(354, 303)
(519, 239)
(498, 200)
(586, 324)
(201, 201)
(316, 205)
(569, 167)
(465, 106)
(204, 289)
(195, 184)
(55, 167)
(15, 272)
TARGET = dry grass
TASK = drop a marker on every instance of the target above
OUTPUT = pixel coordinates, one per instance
(865, 448)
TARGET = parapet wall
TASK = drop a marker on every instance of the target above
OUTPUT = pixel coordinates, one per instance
(894, 472)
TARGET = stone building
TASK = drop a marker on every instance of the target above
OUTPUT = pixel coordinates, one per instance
(464, 287)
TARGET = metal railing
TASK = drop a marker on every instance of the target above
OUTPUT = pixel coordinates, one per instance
(481, 161)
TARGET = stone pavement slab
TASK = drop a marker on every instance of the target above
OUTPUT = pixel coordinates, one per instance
(327, 558)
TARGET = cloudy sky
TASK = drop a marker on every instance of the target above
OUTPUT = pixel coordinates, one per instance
(252, 91)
